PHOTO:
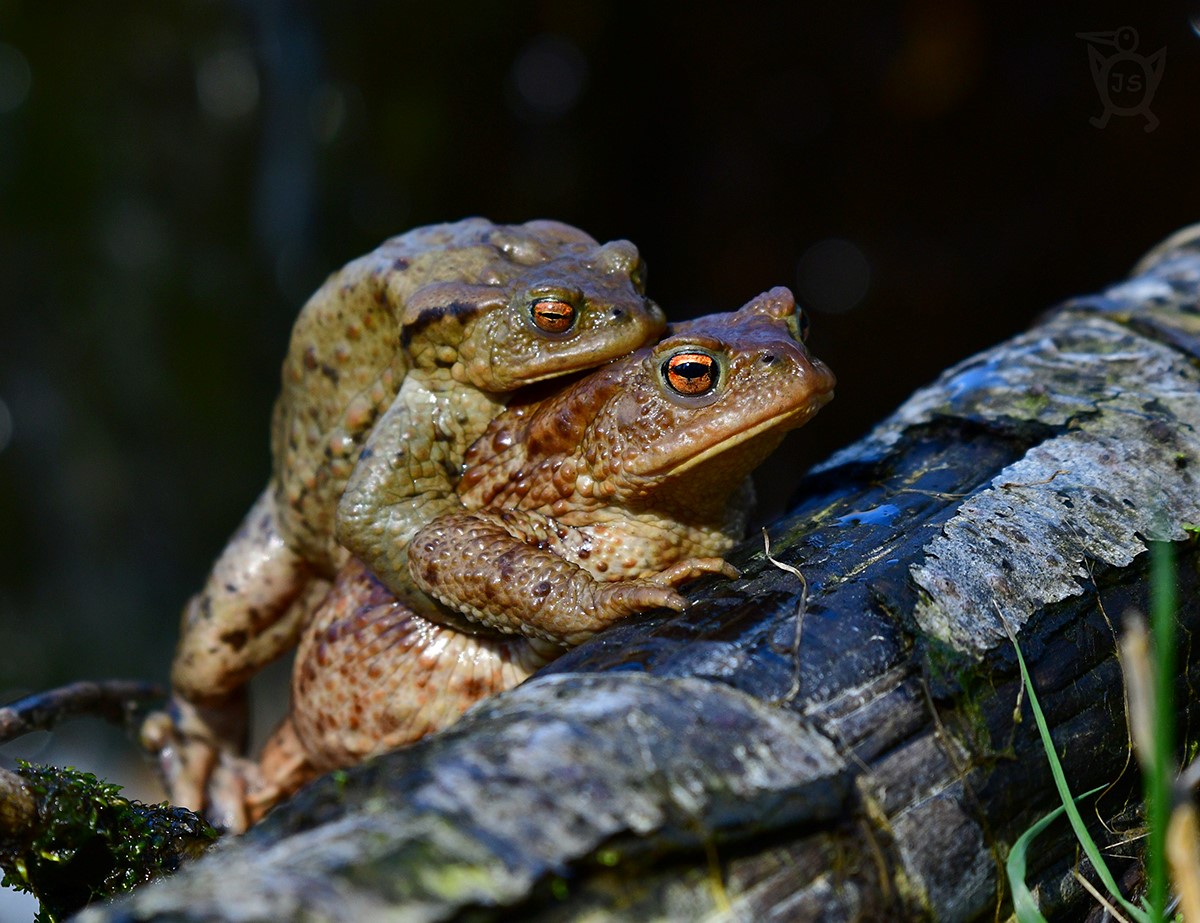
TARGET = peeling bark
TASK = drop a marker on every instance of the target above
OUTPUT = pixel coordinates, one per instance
(740, 761)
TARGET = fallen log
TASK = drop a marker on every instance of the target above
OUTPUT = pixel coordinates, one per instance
(838, 734)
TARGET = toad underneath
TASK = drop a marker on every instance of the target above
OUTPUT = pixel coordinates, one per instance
(577, 510)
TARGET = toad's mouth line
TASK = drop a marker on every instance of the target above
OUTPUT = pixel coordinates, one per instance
(793, 419)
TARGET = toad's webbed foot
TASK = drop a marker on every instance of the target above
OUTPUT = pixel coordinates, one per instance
(199, 772)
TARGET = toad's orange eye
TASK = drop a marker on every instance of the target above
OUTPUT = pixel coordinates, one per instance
(553, 315)
(691, 373)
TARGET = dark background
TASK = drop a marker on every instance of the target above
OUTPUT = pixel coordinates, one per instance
(175, 178)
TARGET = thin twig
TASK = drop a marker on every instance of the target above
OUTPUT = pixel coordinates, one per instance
(112, 700)
(1098, 897)
(801, 608)
(1008, 485)
(716, 879)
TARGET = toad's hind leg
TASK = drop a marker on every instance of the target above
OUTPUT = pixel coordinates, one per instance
(248, 613)
(371, 674)
(283, 767)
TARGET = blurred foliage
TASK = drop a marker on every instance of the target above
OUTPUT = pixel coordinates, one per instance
(176, 177)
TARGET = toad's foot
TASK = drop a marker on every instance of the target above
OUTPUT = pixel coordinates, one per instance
(283, 767)
(693, 568)
(199, 773)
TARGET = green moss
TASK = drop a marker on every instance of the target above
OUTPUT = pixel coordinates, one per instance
(608, 857)
(88, 842)
(1028, 405)
(956, 677)
(948, 669)
(972, 721)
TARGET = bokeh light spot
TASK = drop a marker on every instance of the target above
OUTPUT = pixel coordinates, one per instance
(227, 83)
(327, 112)
(135, 235)
(16, 79)
(6, 426)
(548, 77)
(833, 276)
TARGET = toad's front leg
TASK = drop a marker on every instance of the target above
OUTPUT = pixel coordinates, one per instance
(405, 475)
(513, 571)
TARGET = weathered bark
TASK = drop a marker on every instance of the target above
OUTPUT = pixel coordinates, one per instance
(864, 760)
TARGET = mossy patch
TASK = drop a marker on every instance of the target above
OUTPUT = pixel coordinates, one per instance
(88, 842)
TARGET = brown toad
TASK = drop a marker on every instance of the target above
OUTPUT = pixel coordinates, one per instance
(395, 366)
(576, 510)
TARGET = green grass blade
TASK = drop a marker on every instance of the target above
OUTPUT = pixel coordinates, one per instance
(1024, 905)
(1159, 777)
(1064, 793)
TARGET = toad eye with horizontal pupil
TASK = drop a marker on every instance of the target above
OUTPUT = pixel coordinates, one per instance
(553, 315)
(691, 373)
